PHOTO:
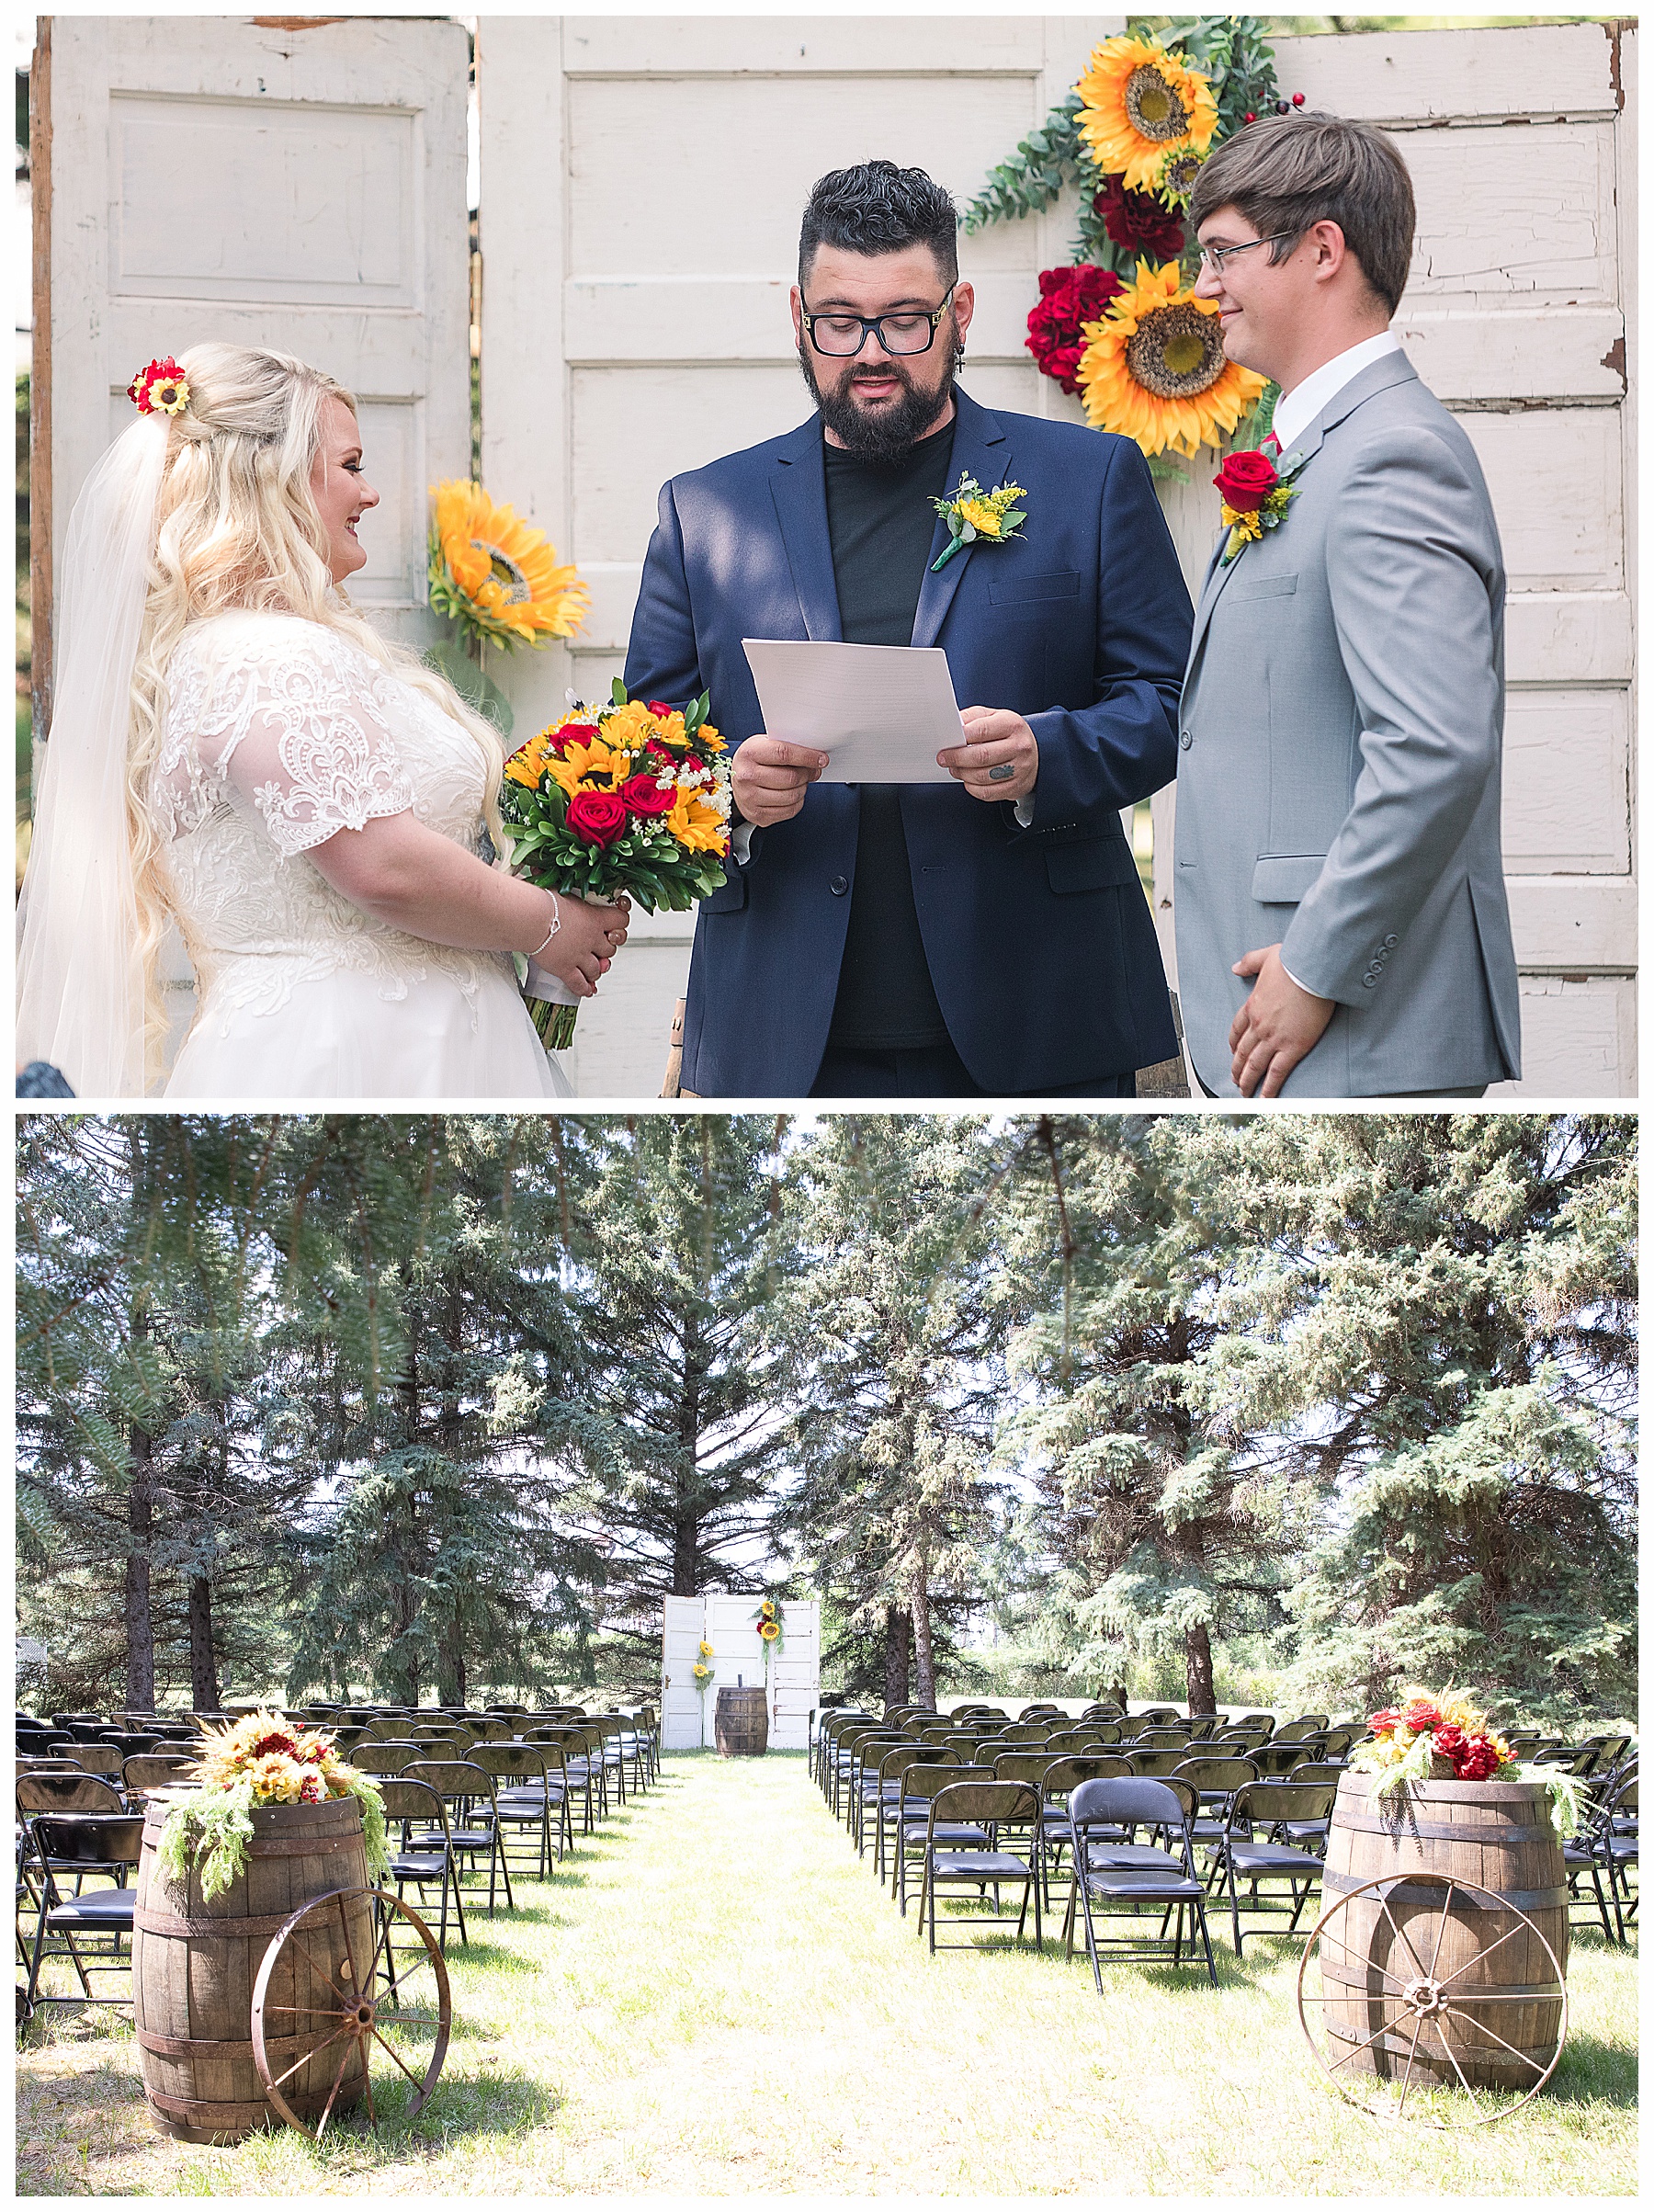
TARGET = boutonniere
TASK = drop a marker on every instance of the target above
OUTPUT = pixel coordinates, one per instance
(972, 512)
(1255, 496)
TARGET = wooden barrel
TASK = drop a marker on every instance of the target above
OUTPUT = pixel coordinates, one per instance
(741, 1724)
(195, 1961)
(1498, 1836)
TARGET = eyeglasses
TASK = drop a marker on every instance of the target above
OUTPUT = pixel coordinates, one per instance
(1214, 256)
(841, 335)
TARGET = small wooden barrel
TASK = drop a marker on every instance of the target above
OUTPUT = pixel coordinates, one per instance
(741, 1724)
(194, 1964)
(1498, 1836)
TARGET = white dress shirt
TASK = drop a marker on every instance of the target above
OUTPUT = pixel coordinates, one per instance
(1297, 409)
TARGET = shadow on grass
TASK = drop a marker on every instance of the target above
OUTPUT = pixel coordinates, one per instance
(1594, 2073)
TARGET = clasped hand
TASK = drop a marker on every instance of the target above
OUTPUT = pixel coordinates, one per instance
(769, 777)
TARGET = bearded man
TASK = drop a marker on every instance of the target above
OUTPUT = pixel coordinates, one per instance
(987, 935)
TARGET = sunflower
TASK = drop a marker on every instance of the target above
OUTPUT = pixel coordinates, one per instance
(697, 827)
(1140, 103)
(1155, 368)
(1175, 179)
(769, 1630)
(497, 574)
(582, 765)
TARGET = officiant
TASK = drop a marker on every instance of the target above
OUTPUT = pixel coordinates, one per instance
(986, 936)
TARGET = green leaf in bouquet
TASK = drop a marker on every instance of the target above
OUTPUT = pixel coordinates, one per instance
(618, 693)
(477, 689)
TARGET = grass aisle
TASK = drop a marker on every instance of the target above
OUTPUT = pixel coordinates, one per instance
(713, 1998)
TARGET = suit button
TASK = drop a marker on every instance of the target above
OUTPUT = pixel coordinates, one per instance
(839, 886)
(1186, 738)
(1370, 977)
(1389, 940)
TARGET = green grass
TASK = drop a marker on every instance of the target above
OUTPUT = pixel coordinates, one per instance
(714, 1998)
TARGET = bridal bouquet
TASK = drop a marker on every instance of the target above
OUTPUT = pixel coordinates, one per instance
(263, 1760)
(632, 797)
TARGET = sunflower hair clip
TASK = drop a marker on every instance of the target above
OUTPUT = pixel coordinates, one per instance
(160, 389)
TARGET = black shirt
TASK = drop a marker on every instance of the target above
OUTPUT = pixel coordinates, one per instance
(881, 523)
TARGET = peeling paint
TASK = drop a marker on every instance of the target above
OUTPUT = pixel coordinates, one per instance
(1614, 358)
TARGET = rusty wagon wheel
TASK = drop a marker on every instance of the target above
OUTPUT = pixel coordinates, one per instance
(335, 2006)
(1401, 2011)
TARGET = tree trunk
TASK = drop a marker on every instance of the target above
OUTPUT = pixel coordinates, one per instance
(140, 1629)
(899, 1656)
(1197, 1653)
(926, 1662)
(203, 1661)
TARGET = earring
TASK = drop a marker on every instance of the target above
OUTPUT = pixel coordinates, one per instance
(958, 360)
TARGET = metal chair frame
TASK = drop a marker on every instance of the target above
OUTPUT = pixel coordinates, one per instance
(1098, 1810)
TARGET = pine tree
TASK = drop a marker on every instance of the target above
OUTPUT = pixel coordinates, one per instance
(1437, 1318)
(895, 1331)
(680, 1252)
(1166, 1529)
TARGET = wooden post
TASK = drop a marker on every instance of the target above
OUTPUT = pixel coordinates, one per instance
(40, 389)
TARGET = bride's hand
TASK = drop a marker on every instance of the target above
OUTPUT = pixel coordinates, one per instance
(589, 937)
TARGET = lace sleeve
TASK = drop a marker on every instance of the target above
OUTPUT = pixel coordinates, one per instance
(291, 722)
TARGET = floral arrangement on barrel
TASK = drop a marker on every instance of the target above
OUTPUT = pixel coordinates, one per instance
(630, 799)
(1446, 1738)
(1122, 328)
(498, 580)
(263, 1760)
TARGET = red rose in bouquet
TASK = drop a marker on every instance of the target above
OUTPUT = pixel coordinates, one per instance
(1477, 1760)
(1139, 221)
(1421, 1716)
(1245, 481)
(644, 795)
(598, 816)
(1068, 298)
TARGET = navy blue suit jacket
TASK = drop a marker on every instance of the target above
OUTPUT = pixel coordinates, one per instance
(1040, 943)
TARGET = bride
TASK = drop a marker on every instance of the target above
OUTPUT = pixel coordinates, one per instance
(233, 749)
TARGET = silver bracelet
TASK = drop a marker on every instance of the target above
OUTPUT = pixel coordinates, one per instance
(556, 925)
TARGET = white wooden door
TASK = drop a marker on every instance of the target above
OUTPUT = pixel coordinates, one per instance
(681, 1702)
(1519, 313)
(795, 1676)
(642, 182)
(300, 186)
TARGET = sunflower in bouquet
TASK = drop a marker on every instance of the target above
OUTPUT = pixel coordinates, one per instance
(633, 797)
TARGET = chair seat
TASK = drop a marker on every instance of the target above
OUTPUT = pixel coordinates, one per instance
(980, 1867)
(96, 1909)
(1141, 1856)
(1152, 1886)
(948, 1831)
(1250, 1859)
(416, 1865)
(463, 1839)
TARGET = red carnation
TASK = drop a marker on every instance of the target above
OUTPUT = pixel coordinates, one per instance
(643, 795)
(598, 816)
(1383, 1723)
(1138, 222)
(1448, 1741)
(1421, 1715)
(273, 1743)
(1246, 479)
(1477, 1761)
(1068, 298)
(572, 734)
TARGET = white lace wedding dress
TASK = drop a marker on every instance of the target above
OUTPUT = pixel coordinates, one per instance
(278, 733)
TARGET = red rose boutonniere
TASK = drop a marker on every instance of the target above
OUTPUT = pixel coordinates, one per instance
(1255, 492)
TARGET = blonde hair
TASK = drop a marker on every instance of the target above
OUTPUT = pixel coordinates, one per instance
(237, 526)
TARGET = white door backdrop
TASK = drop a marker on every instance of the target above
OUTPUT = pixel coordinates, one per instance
(302, 187)
(727, 1624)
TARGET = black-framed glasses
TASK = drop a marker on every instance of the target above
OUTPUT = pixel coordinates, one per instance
(1214, 256)
(841, 335)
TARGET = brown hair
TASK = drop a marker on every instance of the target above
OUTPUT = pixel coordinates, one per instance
(1287, 172)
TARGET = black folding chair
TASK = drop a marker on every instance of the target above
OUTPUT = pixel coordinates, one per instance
(1108, 1884)
(954, 1861)
(1271, 1805)
(473, 1829)
(101, 1843)
(424, 1857)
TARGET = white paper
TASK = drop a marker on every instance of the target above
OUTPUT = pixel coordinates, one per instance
(883, 712)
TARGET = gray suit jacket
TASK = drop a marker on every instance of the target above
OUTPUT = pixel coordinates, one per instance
(1338, 772)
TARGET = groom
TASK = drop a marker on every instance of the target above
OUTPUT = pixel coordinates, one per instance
(987, 935)
(1342, 924)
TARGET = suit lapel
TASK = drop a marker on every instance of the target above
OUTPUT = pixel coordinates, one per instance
(799, 484)
(979, 449)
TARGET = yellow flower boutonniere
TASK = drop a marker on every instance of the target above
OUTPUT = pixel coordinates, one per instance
(972, 512)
